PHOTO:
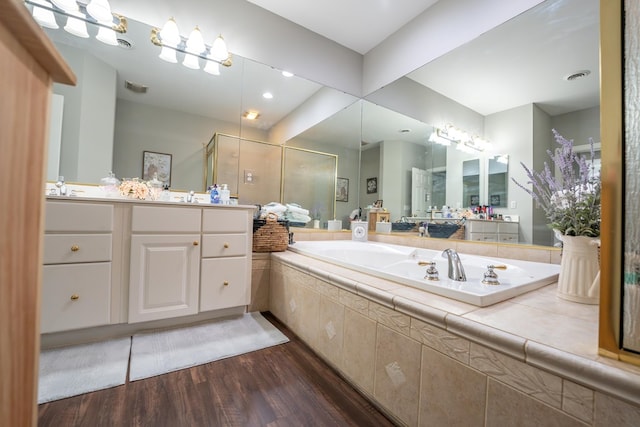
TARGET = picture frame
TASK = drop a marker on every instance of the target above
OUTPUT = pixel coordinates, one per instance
(154, 162)
(342, 190)
(474, 200)
(372, 185)
(495, 200)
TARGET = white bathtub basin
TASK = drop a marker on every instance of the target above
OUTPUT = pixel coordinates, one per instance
(400, 264)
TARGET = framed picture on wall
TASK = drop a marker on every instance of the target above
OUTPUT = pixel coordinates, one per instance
(342, 190)
(475, 200)
(159, 163)
(372, 185)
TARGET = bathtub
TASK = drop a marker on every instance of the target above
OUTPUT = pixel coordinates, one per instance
(400, 264)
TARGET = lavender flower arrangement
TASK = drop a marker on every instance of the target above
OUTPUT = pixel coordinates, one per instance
(571, 201)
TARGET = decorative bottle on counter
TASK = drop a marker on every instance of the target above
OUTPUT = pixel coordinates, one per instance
(215, 194)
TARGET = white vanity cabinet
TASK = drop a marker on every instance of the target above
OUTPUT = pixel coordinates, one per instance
(491, 231)
(226, 259)
(164, 266)
(76, 279)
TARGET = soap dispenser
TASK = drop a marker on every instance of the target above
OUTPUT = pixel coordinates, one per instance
(61, 186)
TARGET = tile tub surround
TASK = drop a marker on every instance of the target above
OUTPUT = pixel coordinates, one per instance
(429, 360)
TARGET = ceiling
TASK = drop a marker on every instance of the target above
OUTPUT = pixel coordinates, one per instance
(359, 25)
(520, 62)
(530, 54)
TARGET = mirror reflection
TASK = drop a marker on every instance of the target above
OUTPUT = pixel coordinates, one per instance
(506, 86)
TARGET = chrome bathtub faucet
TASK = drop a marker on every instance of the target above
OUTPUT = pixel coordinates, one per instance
(456, 270)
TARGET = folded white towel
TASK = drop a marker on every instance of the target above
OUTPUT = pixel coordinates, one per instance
(297, 209)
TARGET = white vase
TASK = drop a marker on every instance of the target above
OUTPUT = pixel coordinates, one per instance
(579, 278)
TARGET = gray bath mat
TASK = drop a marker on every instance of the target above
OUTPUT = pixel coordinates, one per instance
(166, 351)
(69, 371)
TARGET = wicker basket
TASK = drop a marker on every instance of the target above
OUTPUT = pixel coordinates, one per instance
(270, 235)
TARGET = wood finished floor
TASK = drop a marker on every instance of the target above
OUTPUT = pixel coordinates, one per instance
(285, 385)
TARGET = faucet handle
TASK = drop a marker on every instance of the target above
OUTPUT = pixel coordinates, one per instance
(497, 267)
(432, 271)
(490, 276)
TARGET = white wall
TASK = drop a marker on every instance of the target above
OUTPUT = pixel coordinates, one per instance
(89, 112)
(141, 128)
(512, 132)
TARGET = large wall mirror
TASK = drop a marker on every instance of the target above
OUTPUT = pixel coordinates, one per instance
(508, 86)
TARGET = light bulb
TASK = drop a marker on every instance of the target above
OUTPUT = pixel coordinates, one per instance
(170, 34)
(44, 17)
(77, 26)
(107, 36)
(191, 61)
(195, 42)
(219, 50)
(212, 67)
(168, 54)
(66, 5)
(100, 10)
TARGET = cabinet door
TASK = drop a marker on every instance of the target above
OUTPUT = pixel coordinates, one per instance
(164, 276)
(225, 283)
(75, 296)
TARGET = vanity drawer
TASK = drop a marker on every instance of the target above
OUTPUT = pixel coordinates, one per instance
(72, 248)
(224, 283)
(224, 245)
(482, 226)
(156, 219)
(508, 227)
(77, 217)
(225, 220)
(483, 237)
(508, 237)
(75, 296)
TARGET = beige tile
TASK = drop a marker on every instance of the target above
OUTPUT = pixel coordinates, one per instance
(259, 290)
(451, 393)
(576, 335)
(397, 374)
(331, 330)
(509, 407)
(433, 300)
(390, 318)
(437, 244)
(327, 289)
(439, 339)
(276, 296)
(475, 248)
(523, 252)
(546, 299)
(577, 401)
(527, 379)
(353, 301)
(359, 349)
(309, 316)
(613, 412)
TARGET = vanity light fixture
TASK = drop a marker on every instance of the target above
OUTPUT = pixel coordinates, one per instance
(97, 12)
(267, 95)
(464, 142)
(287, 74)
(193, 48)
(503, 158)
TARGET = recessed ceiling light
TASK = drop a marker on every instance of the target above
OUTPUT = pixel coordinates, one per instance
(267, 95)
(251, 115)
(577, 75)
(287, 74)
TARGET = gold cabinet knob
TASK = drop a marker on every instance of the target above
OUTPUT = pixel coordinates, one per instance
(196, 243)
(225, 283)
(226, 245)
(75, 248)
(75, 297)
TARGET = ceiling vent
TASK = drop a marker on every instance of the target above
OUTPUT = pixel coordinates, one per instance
(125, 44)
(135, 87)
(577, 75)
